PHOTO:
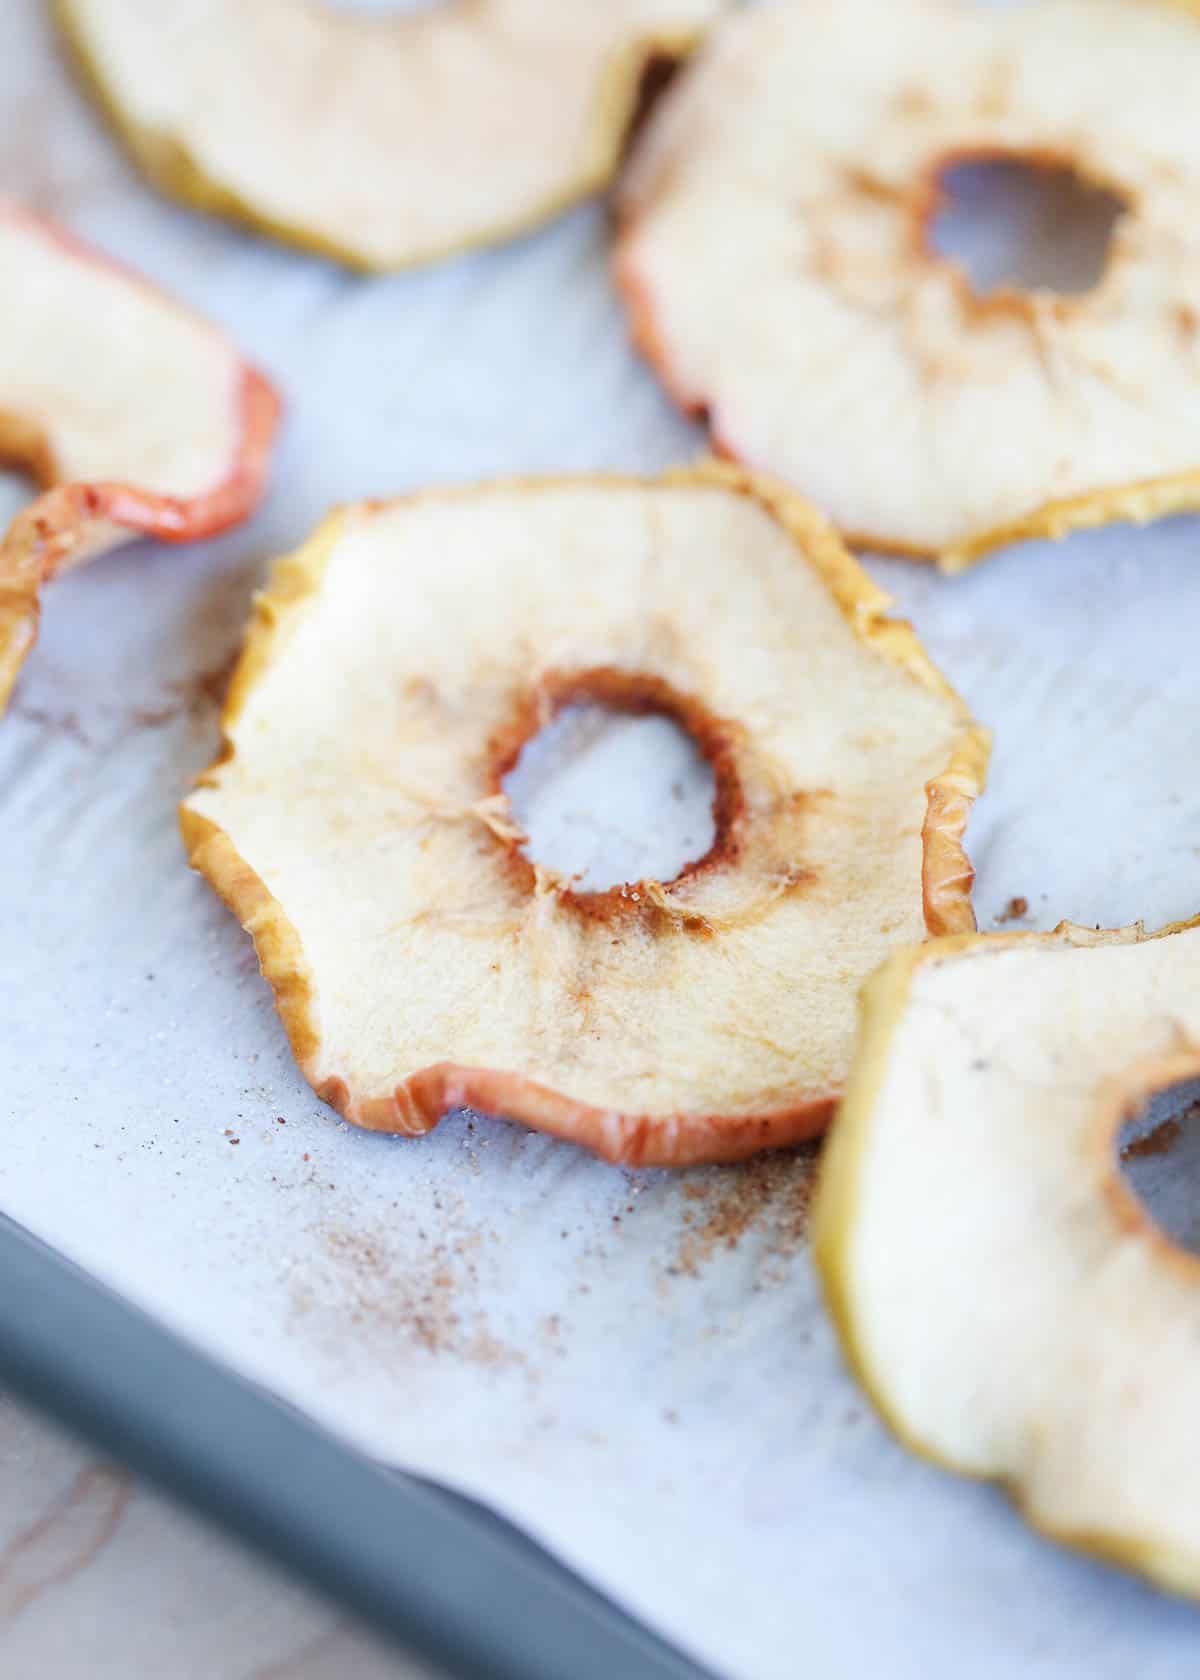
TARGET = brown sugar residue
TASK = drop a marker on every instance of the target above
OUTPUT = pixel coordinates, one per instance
(361, 1289)
(768, 1200)
(1014, 911)
(1160, 1141)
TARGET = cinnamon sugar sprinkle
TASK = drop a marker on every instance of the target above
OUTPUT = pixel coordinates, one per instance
(766, 1200)
(430, 1301)
(1014, 911)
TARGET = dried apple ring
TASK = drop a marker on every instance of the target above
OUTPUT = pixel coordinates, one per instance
(142, 416)
(1002, 1294)
(379, 141)
(777, 263)
(359, 829)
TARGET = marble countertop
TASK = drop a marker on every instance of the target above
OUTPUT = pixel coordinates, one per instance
(101, 1579)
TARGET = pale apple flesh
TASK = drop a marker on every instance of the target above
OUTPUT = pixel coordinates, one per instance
(381, 142)
(1010, 1306)
(776, 258)
(135, 416)
(359, 827)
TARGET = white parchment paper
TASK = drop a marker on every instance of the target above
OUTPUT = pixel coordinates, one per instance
(635, 1366)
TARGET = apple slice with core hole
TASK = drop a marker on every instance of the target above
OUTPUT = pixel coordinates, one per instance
(137, 417)
(361, 828)
(1001, 1292)
(776, 256)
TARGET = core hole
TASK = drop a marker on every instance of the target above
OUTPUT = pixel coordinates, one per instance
(1159, 1152)
(1032, 226)
(608, 799)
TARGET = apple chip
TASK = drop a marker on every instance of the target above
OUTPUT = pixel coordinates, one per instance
(379, 141)
(357, 822)
(1006, 1299)
(777, 260)
(141, 416)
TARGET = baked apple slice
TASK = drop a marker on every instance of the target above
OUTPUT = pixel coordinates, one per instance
(359, 827)
(777, 257)
(380, 141)
(1004, 1296)
(138, 418)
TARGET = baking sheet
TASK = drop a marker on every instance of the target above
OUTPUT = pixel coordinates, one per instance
(634, 1366)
